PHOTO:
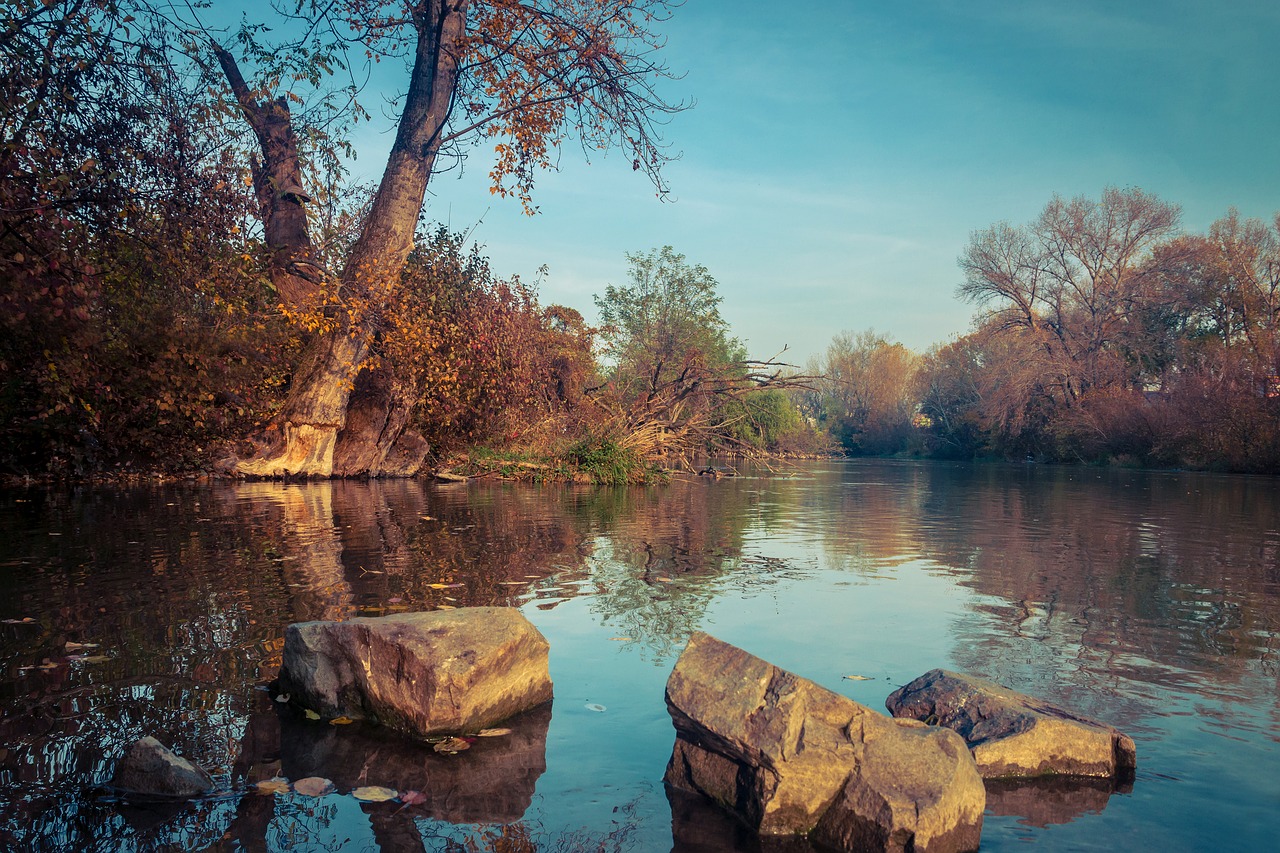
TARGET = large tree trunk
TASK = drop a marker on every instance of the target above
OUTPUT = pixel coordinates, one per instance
(314, 422)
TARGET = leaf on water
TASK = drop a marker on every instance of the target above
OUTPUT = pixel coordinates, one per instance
(313, 786)
(595, 706)
(95, 658)
(282, 698)
(511, 583)
(23, 621)
(273, 786)
(311, 715)
(438, 585)
(396, 600)
(620, 639)
(493, 732)
(341, 721)
(665, 579)
(451, 745)
(426, 518)
(454, 585)
(445, 607)
(75, 647)
(48, 665)
(412, 798)
(858, 677)
(375, 794)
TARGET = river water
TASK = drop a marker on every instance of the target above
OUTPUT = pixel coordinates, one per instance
(1148, 600)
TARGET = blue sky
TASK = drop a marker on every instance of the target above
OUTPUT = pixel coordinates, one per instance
(840, 153)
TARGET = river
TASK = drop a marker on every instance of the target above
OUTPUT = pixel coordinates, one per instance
(1149, 600)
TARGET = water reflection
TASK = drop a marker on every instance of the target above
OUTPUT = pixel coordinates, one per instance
(1151, 601)
(1041, 802)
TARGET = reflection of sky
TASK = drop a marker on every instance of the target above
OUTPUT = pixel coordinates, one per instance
(1147, 600)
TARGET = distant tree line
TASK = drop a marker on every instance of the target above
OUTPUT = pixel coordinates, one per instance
(1104, 335)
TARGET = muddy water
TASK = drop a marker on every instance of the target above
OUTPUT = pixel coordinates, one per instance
(1149, 600)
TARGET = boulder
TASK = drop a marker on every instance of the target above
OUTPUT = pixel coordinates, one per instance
(789, 757)
(150, 769)
(420, 673)
(1011, 734)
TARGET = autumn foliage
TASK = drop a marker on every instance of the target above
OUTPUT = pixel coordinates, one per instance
(484, 362)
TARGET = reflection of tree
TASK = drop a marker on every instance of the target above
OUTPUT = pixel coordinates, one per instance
(662, 551)
(1094, 576)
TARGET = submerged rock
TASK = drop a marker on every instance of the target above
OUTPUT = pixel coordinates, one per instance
(789, 757)
(1011, 734)
(420, 673)
(151, 769)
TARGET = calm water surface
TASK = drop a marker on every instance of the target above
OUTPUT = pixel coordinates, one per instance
(1148, 600)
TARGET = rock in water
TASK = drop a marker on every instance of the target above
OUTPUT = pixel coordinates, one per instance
(791, 758)
(1011, 734)
(420, 673)
(149, 768)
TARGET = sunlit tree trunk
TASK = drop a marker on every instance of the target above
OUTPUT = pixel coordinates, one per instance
(309, 431)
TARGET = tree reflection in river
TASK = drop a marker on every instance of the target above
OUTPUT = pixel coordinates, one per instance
(1150, 600)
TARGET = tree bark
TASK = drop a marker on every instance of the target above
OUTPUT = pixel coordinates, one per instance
(314, 422)
(295, 274)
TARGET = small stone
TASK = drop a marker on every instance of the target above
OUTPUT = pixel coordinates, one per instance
(151, 769)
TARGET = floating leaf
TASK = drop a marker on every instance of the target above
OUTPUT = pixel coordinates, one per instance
(621, 639)
(445, 607)
(450, 745)
(75, 647)
(664, 579)
(313, 786)
(493, 732)
(282, 698)
(95, 658)
(438, 585)
(273, 786)
(858, 677)
(341, 721)
(595, 706)
(412, 798)
(23, 621)
(511, 583)
(426, 518)
(375, 794)
(311, 715)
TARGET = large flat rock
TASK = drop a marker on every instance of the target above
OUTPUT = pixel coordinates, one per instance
(789, 757)
(1011, 734)
(421, 673)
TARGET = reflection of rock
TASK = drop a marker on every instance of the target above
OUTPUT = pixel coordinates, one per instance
(1011, 734)
(492, 782)
(1048, 799)
(150, 769)
(699, 826)
(421, 673)
(790, 758)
